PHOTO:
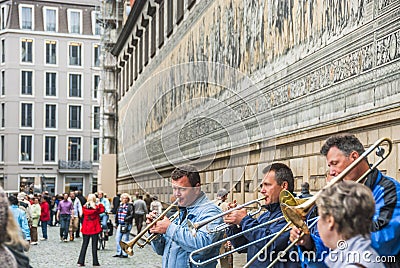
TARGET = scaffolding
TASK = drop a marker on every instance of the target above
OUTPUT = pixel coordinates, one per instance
(110, 17)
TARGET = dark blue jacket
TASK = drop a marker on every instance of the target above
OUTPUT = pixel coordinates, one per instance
(385, 235)
(273, 212)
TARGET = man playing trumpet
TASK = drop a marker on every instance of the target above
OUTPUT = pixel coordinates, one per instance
(176, 240)
(277, 177)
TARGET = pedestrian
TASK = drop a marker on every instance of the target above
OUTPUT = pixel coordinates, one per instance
(116, 200)
(82, 199)
(305, 190)
(148, 201)
(156, 205)
(90, 228)
(140, 212)
(7, 259)
(20, 218)
(64, 212)
(25, 205)
(104, 216)
(77, 212)
(53, 210)
(44, 217)
(36, 211)
(123, 221)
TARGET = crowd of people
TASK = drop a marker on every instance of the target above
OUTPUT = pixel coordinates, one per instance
(76, 216)
(356, 218)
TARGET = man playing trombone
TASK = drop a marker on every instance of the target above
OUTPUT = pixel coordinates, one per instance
(176, 240)
(340, 152)
(277, 177)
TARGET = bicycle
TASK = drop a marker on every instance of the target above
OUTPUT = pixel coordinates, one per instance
(103, 238)
(104, 235)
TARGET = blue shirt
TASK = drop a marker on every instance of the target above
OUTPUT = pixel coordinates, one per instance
(177, 243)
(273, 212)
(21, 220)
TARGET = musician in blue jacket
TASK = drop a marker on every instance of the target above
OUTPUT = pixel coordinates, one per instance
(176, 241)
(277, 177)
(340, 151)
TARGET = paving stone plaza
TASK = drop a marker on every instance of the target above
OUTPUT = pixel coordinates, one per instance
(54, 253)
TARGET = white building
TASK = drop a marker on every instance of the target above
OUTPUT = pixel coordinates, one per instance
(49, 98)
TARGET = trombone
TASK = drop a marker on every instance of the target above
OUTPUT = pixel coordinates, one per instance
(193, 227)
(128, 246)
(199, 263)
(295, 214)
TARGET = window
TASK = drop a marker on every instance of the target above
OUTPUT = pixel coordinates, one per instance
(96, 55)
(3, 82)
(49, 149)
(96, 153)
(74, 21)
(75, 54)
(75, 89)
(75, 117)
(51, 52)
(170, 17)
(74, 149)
(2, 148)
(26, 82)
(3, 115)
(26, 148)
(26, 50)
(3, 50)
(50, 19)
(26, 15)
(51, 116)
(26, 114)
(180, 10)
(51, 82)
(96, 83)
(3, 18)
(97, 29)
(96, 117)
(161, 24)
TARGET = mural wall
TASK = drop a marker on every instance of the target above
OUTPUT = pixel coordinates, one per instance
(240, 75)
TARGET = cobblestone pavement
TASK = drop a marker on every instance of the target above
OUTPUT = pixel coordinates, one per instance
(54, 253)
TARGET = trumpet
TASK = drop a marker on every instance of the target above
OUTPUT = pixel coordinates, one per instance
(151, 237)
(193, 227)
(295, 214)
(128, 246)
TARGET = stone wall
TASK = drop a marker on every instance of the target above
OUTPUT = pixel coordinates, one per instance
(240, 84)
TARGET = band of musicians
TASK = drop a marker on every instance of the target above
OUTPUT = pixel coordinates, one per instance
(353, 221)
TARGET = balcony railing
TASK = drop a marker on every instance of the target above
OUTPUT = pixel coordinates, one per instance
(75, 165)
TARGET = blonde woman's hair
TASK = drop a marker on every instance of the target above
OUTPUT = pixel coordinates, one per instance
(14, 237)
(91, 201)
(352, 206)
(126, 195)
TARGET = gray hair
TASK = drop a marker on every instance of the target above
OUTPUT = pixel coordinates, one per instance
(352, 206)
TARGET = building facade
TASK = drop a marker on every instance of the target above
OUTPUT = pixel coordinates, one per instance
(231, 86)
(50, 109)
